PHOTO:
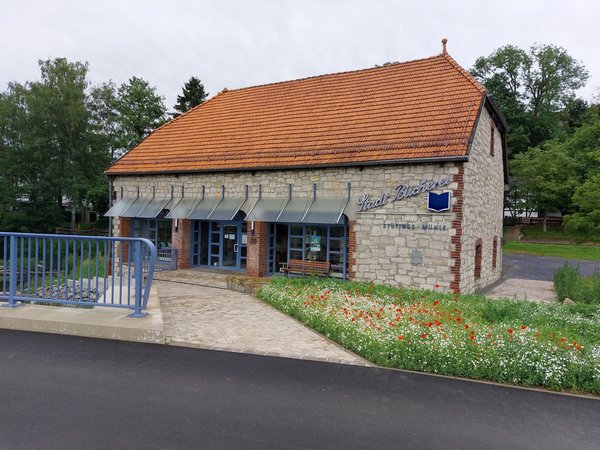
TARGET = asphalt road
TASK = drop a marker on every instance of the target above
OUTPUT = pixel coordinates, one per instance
(62, 392)
(532, 267)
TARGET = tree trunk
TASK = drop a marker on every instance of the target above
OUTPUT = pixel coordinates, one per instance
(544, 224)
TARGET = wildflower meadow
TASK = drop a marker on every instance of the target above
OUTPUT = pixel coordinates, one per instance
(507, 341)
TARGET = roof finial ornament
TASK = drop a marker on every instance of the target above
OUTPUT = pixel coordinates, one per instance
(444, 41)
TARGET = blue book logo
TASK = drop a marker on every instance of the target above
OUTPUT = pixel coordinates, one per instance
(438, 202)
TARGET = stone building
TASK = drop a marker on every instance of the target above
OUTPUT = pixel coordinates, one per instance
(393, 174)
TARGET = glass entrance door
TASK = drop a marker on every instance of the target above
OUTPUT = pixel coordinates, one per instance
(219, 244)
(230, 246)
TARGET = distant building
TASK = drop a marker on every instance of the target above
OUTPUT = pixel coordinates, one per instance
(393, 174)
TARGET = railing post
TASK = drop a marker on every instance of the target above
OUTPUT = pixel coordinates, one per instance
(12, 288)
(139, 276)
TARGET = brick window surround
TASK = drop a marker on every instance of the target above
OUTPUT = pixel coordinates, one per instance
(478, 256)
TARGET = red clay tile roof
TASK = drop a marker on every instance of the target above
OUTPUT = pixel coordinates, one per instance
(417, 109)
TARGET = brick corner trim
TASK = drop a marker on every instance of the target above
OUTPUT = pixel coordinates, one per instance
(457, 208)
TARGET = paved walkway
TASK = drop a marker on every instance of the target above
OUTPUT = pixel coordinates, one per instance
(199, 311)
(516, 288)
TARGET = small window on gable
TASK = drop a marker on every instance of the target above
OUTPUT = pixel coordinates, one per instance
(492, 138)
(494, 252)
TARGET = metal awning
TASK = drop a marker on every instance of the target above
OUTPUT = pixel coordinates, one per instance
(136, 207)
(326, 211)
(266, 210)
(154, 208)
(294, 210)
(120, 206)
(203, 209)
(183, 208)
(226, 209)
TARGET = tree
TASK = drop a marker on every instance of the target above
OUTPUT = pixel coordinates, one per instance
(587, 199)
(531, 89)
(193, 95)
(547, 179)
(140, 111)
(50, 150)
(561, 175)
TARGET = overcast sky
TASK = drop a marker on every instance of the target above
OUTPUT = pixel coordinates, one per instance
(242, 43)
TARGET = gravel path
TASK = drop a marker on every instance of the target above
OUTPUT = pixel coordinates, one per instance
(542, 267)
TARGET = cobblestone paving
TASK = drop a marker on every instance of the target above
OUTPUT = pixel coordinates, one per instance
(199, 311)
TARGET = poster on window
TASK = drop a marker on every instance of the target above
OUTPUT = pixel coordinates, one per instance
(315, 243)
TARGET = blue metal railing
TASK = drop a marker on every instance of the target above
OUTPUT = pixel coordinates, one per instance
(167, 259)
(76, 270)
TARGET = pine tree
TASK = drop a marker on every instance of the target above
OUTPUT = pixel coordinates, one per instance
(193, 95)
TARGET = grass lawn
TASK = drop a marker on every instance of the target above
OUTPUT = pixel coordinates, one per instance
(537, 232)
(508, 341)
(567, 251)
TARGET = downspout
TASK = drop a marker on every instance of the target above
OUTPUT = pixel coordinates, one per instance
(111, 181)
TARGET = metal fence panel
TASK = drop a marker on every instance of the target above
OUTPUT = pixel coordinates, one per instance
(72, 270)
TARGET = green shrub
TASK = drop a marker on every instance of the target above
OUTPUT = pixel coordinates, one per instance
(568, 283)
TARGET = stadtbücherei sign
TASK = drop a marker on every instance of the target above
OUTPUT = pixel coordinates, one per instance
(402, 191)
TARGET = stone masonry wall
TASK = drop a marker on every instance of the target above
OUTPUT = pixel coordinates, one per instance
(483, 205)
(390, 244)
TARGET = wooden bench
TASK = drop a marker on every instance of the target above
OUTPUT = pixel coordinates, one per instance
(302, 267)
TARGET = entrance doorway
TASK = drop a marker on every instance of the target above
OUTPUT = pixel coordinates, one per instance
(219, 244)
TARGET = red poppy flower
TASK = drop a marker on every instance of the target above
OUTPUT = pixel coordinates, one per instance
(437, 302)
(437, 285)
(400, 338)
(466, 327)
(471, 337)
(563, 340)
(523, 327)
(423, 336)
(510, 331)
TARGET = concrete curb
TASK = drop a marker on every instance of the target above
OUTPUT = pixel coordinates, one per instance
(98, 322)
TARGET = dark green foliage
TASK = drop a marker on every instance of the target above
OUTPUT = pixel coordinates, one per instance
(140, 110)
(193, 95)
(534, 90)
(50, 153)
(58, 135)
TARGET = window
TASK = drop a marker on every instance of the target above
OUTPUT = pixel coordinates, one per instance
(478, 259)
(156, 230)
(492, 138)
(309, 242)
(494, 252)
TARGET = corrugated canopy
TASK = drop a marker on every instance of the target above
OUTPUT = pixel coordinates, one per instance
(154, 208)
(294, 210)
(183, 208)
(266, 210)
(326, 211)
(227, 209)
(203, 209)
(119, 207)
(136, 207)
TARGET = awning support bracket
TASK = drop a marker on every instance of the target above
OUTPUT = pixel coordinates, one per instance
(312, 202)
(286, 203)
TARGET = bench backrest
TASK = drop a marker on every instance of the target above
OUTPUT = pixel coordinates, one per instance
(295, 264)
